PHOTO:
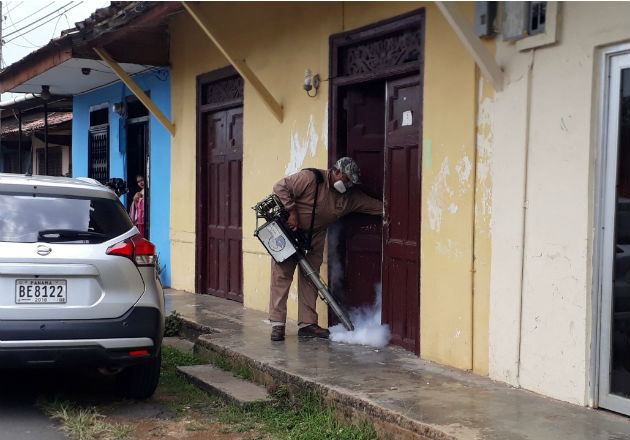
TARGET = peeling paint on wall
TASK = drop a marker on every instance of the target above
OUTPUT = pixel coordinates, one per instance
(300, 146)
(483, 217)
(463, 168)
(449, 248)
(485, 141)
(435, 200)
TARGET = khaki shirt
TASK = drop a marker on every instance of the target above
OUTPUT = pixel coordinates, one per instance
(298, 191)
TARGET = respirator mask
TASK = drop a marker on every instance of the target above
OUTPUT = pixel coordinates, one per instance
(340, 186)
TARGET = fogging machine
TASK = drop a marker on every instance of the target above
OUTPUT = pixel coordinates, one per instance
(282, 243)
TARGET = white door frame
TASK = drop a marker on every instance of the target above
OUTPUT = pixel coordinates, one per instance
(613, 60)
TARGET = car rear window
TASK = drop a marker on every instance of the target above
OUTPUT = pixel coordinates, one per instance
(28, 218)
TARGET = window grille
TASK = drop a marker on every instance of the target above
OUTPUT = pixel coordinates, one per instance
(54, 162)
(98, 153)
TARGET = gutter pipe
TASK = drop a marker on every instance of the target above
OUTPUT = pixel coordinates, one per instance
(5, 105)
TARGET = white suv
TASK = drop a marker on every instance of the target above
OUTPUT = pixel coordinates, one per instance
(78, 284)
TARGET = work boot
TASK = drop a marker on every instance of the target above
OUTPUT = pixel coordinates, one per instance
(313, 331)
(277, 333)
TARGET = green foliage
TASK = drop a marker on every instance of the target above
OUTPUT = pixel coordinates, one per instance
(173, 324)
(158, 268)
(281, 393)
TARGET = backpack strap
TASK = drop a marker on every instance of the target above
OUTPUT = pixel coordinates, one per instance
(319, 178)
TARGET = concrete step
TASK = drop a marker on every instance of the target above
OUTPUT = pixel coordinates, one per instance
(181, 344)
(223, 383)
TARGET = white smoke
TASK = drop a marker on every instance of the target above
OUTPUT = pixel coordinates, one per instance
(335, 268)
(368, 329)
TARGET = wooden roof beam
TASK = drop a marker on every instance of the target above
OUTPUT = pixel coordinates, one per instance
(239, 64)
(136, 90)
(466, 33)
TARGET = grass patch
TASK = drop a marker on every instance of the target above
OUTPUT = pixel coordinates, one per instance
(303, 418)
(196, 428)
(222, 362)
(84, 423)
(244, 373)
(173, 384)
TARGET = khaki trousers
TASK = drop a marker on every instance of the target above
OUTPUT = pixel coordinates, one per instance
(281, 278)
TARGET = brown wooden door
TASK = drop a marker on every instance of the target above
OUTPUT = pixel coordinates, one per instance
(220, 268)
(401, 230)
(364, 107)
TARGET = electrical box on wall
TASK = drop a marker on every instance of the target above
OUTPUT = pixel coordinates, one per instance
(485, 18)
(515, 20)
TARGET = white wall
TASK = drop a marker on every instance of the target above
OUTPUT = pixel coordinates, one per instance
(547, 113)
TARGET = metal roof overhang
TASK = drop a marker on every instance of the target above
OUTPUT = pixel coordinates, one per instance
(68, 71)
(137, 40)
(54, 103)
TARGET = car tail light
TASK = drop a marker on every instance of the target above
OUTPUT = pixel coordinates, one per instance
(139, 353)
(136, 248)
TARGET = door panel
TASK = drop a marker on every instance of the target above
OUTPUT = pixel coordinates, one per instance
(614, 356)
(222, 138)
(365, 136)
(138, 160)
(401, 234)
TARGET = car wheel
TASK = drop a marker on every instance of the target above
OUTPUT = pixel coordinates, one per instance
(140, 381)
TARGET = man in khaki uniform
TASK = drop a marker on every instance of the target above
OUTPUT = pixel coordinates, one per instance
(336, 197)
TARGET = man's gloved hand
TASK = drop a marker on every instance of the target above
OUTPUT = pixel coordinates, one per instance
(292, 221)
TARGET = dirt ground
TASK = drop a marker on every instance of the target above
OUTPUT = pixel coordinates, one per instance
(186, 428)
(153, 420)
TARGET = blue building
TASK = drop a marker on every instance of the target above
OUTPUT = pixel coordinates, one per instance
(113, 135)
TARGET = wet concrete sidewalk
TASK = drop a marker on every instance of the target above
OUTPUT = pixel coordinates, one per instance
(406, 397)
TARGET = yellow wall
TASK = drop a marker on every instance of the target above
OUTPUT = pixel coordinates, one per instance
(280, 40)
(482, 237)
(447, 197)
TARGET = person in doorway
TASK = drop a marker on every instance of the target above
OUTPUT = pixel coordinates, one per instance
(136, 210)
(337, 196)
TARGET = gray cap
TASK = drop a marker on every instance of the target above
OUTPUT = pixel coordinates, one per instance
(348, 166)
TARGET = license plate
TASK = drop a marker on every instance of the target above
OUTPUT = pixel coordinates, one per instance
(40, 291)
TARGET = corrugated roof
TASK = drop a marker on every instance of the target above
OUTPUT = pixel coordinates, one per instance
(37, 124)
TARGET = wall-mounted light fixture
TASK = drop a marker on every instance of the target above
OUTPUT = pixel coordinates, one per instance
(311, 82)
(120, 108)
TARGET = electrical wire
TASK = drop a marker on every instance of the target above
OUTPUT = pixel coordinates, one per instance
(57, 24)
(28, 16)
(33, 46)
(67, 21)
(48, 21)
(9, 10)
(37, 21)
